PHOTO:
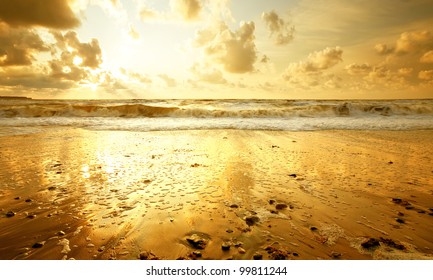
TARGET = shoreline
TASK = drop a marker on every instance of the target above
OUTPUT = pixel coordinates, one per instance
(279, 194)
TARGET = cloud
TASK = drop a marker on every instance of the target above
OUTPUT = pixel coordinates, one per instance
(170, 82)
(187, 9)
(383, 49)
(146, 13)
(279, 28)
(316, 62)
(136, 76)
(19, 79)
(17, 46)
(235, 51)
(133, 33)
(208, 74)
(311, 72)
(427, 57)
(426, 75)
(76, 58)
(416, 41)
(409, 43)
(115, 3)
(51, 14)
(90, 53)
(358, 69)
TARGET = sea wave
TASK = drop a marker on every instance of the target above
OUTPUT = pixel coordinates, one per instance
(235, 109)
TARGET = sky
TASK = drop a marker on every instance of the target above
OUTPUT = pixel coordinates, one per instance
(290, 49)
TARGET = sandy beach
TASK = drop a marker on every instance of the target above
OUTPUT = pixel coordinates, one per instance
(216, 194)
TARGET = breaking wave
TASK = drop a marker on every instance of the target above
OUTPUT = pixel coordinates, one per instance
(215, 109)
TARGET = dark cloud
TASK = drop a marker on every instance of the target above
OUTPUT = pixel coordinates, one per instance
(26, 77)
(90, 53)
(17, 46)
(47, 13)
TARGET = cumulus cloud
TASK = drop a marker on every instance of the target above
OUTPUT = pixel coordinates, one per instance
(208, 74)
(316, 62)
(311, 72)
(405, 72)
(17, 45)
(90, 53)
(427, 57)
(358, 69)
(383, 49)
(409, 44)
(414, 42)
(187, 9)
(235, 51)
(52, 14)
(280, 29)
(76, 58)
(426, 75)
(382, 76)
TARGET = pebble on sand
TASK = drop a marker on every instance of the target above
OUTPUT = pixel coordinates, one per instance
(280, 206)
(392, 243)
(225, 246)
(399, 220)
(197, 241)
(370, 243)
(197, 254)
(146, 255)
(252, 220)
(38, 244)
(258, 256)
(335, 255)
(10, 214)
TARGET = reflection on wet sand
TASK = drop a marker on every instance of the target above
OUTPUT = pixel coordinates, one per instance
(227, 194)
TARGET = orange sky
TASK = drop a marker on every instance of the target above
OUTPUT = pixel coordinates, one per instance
(216, 49)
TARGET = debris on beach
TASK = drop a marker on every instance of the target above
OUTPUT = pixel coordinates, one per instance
(10, 214)
(370, 243)
(197, 241)
(252, 220)
(147, 255)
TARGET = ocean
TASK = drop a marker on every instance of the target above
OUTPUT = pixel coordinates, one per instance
(18, 115)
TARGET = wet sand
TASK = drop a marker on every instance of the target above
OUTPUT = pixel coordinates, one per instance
(221, 194)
